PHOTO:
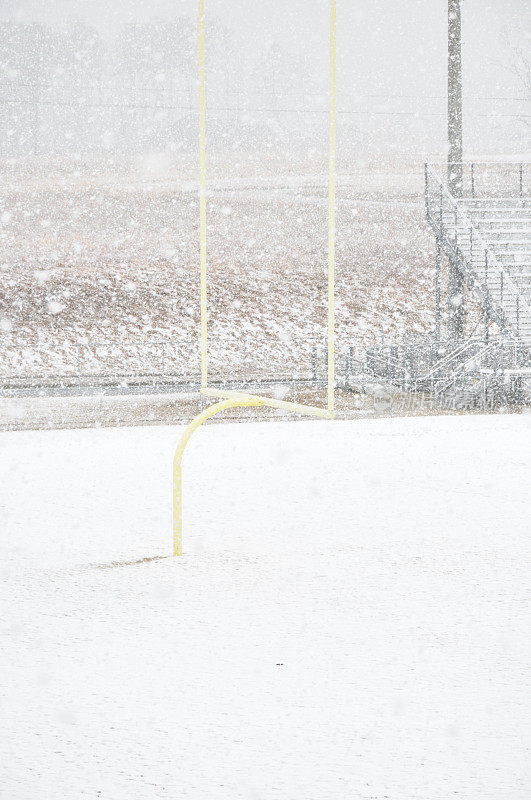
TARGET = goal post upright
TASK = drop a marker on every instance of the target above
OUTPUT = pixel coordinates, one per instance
(328, 410)
(332, 211)
(202, 195)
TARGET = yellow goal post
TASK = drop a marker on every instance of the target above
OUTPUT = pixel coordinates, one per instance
(231, 399)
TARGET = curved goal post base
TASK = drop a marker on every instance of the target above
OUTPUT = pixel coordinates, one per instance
(229, 399)
(211, 411)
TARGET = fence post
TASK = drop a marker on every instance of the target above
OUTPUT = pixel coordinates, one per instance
(426, 189)
(78, 365)
(347, 371)
(438, 288)
(486, 312)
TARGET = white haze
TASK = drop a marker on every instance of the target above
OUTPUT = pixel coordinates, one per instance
(266, 59)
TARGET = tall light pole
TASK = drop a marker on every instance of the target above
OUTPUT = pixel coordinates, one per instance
(455, 100)
(456, 284)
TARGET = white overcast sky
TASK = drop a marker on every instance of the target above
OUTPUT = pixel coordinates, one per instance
(385, 46)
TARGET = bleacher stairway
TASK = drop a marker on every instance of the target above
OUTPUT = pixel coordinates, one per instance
(488, 238)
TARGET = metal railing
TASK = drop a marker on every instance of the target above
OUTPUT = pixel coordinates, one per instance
(492, 284)
(487, 179)
(475, 361)
(464, 367)
(454, 358)
(126, 367)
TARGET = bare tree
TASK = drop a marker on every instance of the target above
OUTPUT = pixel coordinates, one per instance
(519, 65)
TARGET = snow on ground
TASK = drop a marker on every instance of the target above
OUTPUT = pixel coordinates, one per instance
(348, 620)
(81, 264)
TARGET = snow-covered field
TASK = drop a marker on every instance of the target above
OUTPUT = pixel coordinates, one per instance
(349, 619)
(103, 279)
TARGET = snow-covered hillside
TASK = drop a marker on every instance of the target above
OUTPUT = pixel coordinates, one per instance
(96, 279)
(348, 620)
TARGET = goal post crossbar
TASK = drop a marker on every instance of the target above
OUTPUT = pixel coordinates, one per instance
(297, 408)
(328, 411)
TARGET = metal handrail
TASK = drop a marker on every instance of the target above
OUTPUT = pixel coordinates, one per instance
(492, 261)
(484, 163)
(475, 167)
(449, 358)
(464, 367)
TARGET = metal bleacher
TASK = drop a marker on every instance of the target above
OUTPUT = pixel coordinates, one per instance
(486, 234)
